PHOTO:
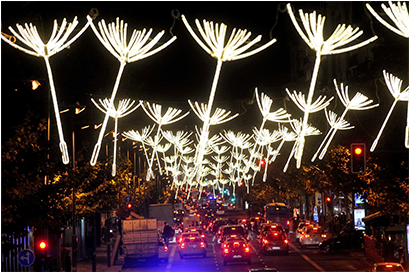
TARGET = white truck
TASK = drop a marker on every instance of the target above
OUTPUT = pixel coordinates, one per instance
(162, 213)
(140, 239)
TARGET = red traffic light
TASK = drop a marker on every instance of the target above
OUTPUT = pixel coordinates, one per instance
(328, 199)
(358, 151)
(129, 205)
(262, 162)
(42, 245)
(358, 158)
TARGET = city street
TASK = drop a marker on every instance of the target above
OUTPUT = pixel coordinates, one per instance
(310, 259)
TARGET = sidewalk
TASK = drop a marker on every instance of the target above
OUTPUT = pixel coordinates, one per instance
(101, 262)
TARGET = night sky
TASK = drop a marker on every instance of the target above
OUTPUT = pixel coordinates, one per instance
(180, 72)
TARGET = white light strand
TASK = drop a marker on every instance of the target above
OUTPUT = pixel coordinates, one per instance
(394, 85)
(358, 102)
(114, 38)
(125, 107)
(57, 42)
(399, 15)
(214, 37)
(314, 38)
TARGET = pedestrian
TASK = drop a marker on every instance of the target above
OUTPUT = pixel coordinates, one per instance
(168, 233)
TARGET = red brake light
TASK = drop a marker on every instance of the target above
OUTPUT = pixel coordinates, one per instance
(236, 244)
(166, 248)
(286, 241)
(315, 228)
(226, 250)
(307, 235)
(202, 236)
(191, 238)
(275, 233)
(323, 235)
(193, 230)
(389, 266)
(202, 244)
(180, 240)
(247, 249)
(183, 245)
(288, 222)
(264, 241)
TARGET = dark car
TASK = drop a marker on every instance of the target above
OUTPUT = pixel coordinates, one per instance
(274, 241)
(229, 230)
(236, 250)
(192, 246)
(351, 239)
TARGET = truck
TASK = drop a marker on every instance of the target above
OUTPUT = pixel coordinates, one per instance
(162, 213)
(140, 239)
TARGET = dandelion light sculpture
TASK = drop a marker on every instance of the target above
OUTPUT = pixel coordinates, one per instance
(394, 85)
(140, 45)
(214, 44)
(335, 44)
(58, 41)
(125, 107)
(399, 15)
(155, 113)
(358, 102)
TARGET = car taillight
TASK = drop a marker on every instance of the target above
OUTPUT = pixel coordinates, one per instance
(202, 236)
(307, 235)
(218, 232)
(180, 240)
(166, 248)
(236, 244)
(323, 235)
(183, 245)
(192, 238)
(264, 241)
(247, 249)
(389, 266)
(202, 244)
(226, 250)
(286, 241)
(288, 222)
(275, 233)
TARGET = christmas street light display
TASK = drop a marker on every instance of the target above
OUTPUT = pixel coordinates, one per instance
(125, 107)
(358, 102)
(155, 113)
(214, 44)
(394, 85)
(114, 38)
(314, 38)
(58, 41)
(399, 15)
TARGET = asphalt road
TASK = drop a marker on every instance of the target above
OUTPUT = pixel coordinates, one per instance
(299, 260)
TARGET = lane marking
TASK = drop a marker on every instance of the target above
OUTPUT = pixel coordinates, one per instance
(170, 259)
(307, 258)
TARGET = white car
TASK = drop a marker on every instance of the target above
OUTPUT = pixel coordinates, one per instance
(392, 267)
(312, 236)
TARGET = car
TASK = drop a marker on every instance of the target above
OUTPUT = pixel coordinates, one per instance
(387, 266)
(236, 250)
(228, 230)
(266, 227)
(298, 230)
(351, 239)
(312, 236)
(274, 241)
(200, 231)
(192, 246)
(184, 235)
(163, 251)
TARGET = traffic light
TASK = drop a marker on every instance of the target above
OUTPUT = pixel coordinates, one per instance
(129, 206)
(41, 252)
(358, 158)
(330, 202)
